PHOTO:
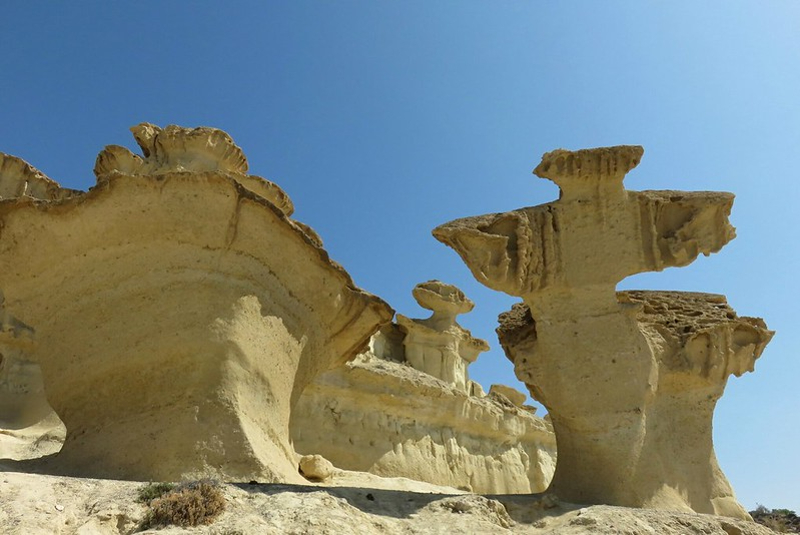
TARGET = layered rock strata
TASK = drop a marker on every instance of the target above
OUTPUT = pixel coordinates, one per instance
(381, 416)
(179, 311)
(438, 345)
(630, 397)
(406, 408)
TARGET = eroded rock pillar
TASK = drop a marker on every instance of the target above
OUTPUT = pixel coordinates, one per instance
(438, 345)
(590, 356)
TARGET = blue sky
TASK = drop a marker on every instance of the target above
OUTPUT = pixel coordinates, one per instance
(385, 119)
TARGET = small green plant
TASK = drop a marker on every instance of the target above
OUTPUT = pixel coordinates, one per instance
(188, 504)
(151, 491)
(780, 520)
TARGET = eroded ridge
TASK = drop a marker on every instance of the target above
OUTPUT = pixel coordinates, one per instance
(175, 149)
(19, 179)
(629, 380)
(179, 312)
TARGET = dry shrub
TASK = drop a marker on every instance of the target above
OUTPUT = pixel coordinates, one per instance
(780, 520)
(190, 504)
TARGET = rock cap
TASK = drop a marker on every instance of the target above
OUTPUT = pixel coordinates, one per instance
(574, 171)
(440, 297)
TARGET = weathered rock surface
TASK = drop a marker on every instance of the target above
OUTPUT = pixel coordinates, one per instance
(20, 179)
(355, 503)
(178, 311)
(316, 467)
(28, 426)
(377, 415)
(697, 342)
(514, 396)
(629, 384)
(594, 236)
(438, 345)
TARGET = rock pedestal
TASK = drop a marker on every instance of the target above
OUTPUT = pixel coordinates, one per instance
(618, 380)
(179, 311)
(438, 345)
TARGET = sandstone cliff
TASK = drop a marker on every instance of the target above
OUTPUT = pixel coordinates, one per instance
(407, 408)
(374, 415)
(178, 311)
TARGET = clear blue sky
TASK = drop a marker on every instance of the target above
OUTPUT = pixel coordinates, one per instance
(385, 119)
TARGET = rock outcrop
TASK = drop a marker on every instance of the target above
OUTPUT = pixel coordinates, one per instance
(178, 310)
(629, 381)
(20, 179)
(512, 395)
(386, 418)
(406, 408)
(438, 345)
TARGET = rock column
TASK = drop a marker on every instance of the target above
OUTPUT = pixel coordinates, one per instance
(591, 357)
(438, 345)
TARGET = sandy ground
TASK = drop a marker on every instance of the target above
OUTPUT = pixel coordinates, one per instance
(352, 503)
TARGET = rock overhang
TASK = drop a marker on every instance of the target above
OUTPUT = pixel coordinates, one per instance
(185, 268)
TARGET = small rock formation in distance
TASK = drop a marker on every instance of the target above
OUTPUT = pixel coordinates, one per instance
(406, 408)
(438, 345)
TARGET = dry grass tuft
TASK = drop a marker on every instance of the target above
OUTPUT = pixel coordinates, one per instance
(189, 504)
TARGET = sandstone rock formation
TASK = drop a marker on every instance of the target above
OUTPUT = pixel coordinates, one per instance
(383, 417)
(20, 179)
(178, 311)
(438, 345)
(629, 381)
(28, 426)
(406, 408)
(514, 396)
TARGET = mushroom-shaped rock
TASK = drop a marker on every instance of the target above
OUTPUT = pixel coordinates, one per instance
(587, 354)
(179, 312)
(438, 345)
(582, 174)
(444, 300)
(588, 243)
